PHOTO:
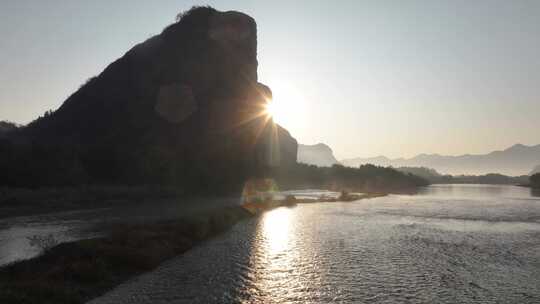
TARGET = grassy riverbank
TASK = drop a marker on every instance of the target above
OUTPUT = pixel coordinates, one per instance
(78, 271)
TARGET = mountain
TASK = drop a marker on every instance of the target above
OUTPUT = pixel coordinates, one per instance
(514, 161)
(535, 170)
(183, 108)
(319, 155)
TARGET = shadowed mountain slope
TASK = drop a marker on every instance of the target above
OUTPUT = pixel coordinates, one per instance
(184, 107)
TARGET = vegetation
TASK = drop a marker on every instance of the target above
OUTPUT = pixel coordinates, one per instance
(491, 178)
(79, 271)
(24, 201)
(366, 178)
(436, 178)
(429, 174)
(535, 180)
(29, 164)
(7, 126)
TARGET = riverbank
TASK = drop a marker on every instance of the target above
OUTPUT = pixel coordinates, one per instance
(344, 197)
(291, 201)
(76, 272)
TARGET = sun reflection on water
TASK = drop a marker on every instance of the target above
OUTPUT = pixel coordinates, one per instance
(281, 261)
(276, 226)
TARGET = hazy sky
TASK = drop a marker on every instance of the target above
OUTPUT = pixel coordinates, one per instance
(395, 78)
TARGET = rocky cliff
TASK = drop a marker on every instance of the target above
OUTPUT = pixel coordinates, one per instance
(319, 155)
(183, 107)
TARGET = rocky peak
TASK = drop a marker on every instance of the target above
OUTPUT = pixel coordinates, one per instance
(185, 102)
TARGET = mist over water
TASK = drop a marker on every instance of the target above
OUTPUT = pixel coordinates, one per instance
(449, 244)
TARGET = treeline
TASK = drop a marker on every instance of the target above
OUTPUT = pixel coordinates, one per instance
(435, 177)
(491, 178)
(366, 178)
(31, 165)
(6, 127)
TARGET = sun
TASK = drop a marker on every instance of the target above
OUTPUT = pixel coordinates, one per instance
(287, 107)
(270, 108)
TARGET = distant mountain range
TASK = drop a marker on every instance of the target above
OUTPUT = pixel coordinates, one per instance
(535, 170)
(319, 155)
(517, 160)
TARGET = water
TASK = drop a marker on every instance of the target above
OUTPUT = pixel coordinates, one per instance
(449, 244)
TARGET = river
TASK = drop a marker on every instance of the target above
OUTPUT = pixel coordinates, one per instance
(448, 244)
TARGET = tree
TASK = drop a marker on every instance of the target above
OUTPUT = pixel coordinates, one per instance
(7, 126)
(535, 180)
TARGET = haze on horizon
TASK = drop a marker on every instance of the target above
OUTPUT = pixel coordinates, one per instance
(367, 78)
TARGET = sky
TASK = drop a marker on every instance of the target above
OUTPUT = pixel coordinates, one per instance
(394, 78)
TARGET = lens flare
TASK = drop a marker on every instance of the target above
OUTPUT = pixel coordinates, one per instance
(270, 108)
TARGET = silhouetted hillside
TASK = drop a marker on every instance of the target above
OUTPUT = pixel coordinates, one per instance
(181, 108)
(319, 155)
(535, 170)
(514, 161)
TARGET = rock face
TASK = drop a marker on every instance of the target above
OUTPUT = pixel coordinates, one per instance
(535, 170)
(183, 107)
(319, 155)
